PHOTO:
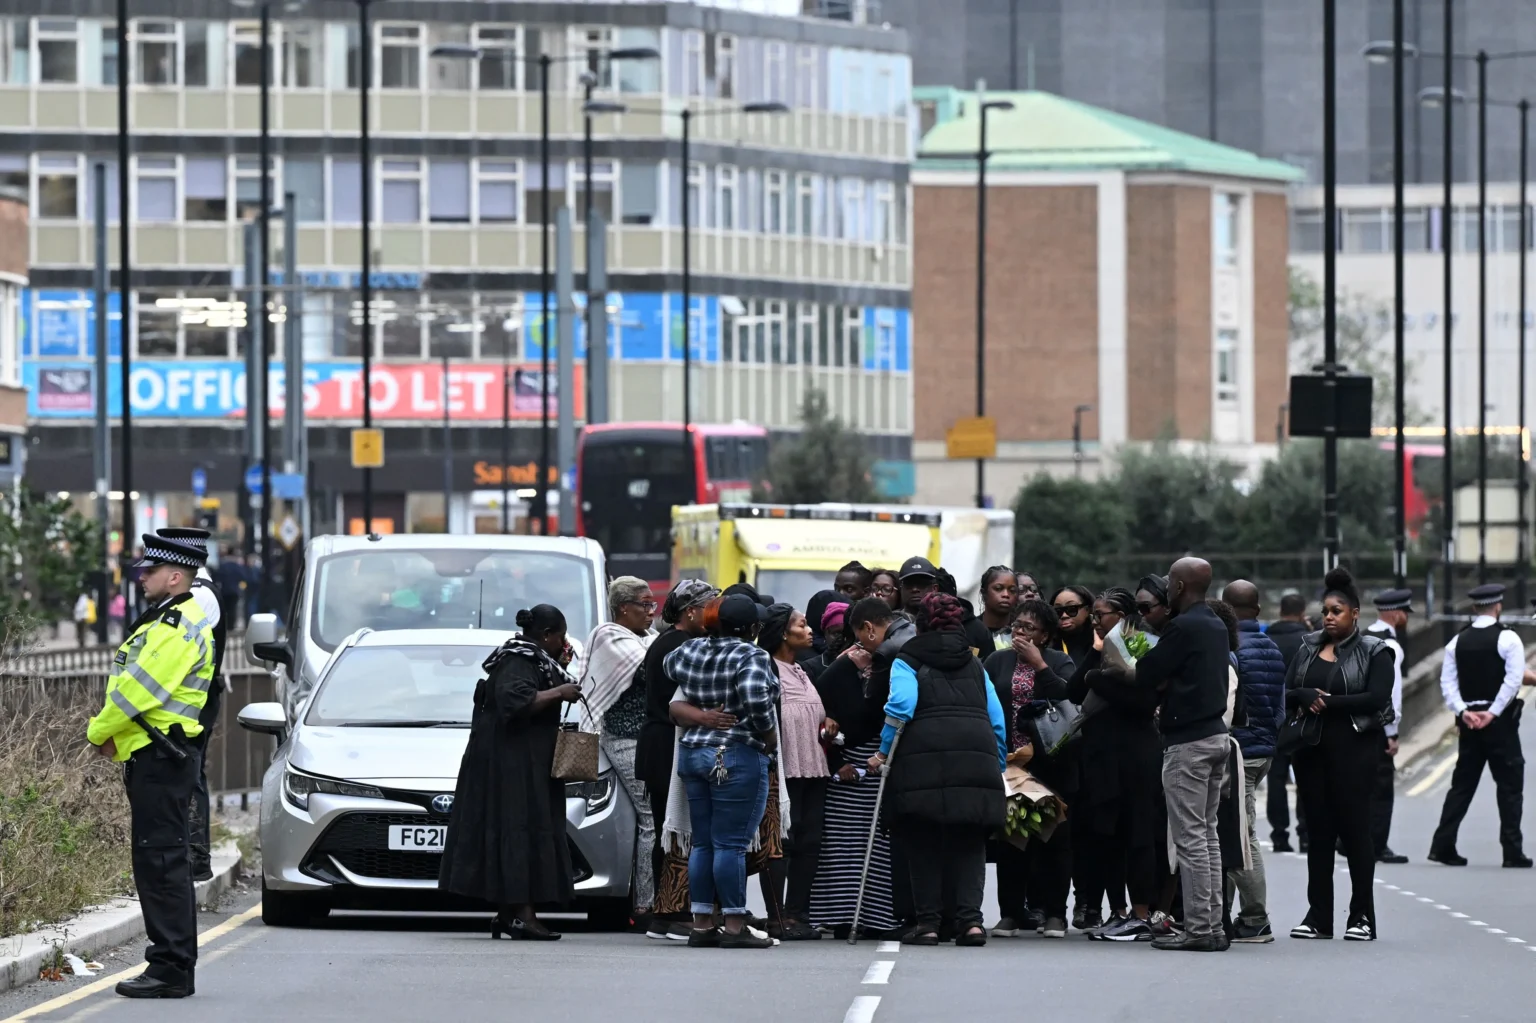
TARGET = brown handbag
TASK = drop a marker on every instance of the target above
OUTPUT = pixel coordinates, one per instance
(575, 753)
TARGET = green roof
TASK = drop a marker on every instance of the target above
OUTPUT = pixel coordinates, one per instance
(1046, 132)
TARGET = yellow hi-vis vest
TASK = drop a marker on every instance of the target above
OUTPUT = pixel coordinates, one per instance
(162, 671)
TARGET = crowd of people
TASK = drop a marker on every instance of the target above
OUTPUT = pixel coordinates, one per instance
(753, 738)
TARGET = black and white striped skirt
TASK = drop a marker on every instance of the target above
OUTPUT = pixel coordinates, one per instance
(850, 811)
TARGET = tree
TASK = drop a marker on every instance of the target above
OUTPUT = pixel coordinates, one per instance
(48, 550)
(1068, 529)
(1283, 513)
(1363, 335)
(1177, 501)
(825, 462)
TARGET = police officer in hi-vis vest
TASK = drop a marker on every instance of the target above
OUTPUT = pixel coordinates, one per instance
(1480, 679)
(159, 685)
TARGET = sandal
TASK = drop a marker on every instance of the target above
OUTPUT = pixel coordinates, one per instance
(917, 936)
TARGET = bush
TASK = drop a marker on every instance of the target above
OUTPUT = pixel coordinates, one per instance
(64, 822)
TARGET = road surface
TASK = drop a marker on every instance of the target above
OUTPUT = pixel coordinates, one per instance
(1455, 944)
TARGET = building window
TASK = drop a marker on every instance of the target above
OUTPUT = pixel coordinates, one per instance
(400, 324)
(773, 210)
(1226, 365)
(306, 180)
(1365, 230)
(503, 331)
(58, 51)
(303, 52)
(775, 68)
(354, 56)
(802, 218)
(603, 175)
(698, 181)
(400, 191)
(157, 321)
(448, 191)
(850, 209)
(500, 64)
(400, 56)
(639, 77)
(245, 54)
(496, 186)
(248, 188)
(534, 192)
(807, 78)
(207, 190)
(805, 332)
(194, 54)
(693, 63)
(638, 191)
(725, 66)
(726, 185)
(156, 180)
(853, 335)
(58, 187)
(206, 320)
(885, 213)
(1225, 220)
(592, 46)
(155, 46)
(346, 192)
(15, 51)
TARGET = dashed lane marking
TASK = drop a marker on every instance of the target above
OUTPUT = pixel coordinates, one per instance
(862, 1010)
(890, 946)
(879, 972)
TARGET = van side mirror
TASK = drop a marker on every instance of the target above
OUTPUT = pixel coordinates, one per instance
(274, 652)
(261, 629)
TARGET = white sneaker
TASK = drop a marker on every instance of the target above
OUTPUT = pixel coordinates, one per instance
(1359, 931)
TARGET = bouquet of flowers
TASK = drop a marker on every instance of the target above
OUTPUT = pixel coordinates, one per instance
(1033, 809)
(1124, 646)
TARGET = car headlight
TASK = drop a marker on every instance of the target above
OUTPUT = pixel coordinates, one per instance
(298, 787)
(598, 794)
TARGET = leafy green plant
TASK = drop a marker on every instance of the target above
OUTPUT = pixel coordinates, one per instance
(826, 461)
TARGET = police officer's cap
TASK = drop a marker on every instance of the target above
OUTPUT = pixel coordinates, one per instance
(161, 550)
(1488, 593)
(1394, 600)
(188, 535)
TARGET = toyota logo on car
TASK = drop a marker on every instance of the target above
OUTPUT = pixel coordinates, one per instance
(443, 804)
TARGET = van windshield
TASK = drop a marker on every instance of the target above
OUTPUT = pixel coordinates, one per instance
(446, 589)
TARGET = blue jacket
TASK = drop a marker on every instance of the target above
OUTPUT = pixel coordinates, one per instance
(1261, 675)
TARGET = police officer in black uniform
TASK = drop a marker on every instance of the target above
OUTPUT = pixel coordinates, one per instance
(1391, 626)
(208, 597)
(1480, 680)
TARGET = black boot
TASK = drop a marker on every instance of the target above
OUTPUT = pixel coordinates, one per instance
(146, 986)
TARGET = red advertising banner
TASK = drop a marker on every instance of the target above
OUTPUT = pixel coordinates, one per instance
(415, 392)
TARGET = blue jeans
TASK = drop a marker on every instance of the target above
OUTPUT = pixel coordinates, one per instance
(725, 816)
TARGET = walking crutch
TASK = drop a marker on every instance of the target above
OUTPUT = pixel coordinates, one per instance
(874, 825)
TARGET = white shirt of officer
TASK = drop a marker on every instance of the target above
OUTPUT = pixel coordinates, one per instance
(1388, 635)
(1510, 648)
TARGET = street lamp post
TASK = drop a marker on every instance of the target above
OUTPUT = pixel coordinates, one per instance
(545, 62)
(365, 155)
(1522, 544)
(1482, 316)
(1330, 291)
(125, 292)
(987, 107)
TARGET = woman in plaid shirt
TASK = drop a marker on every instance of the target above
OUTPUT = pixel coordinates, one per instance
(725, 770)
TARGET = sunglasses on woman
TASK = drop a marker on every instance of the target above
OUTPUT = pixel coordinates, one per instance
(1144, 608)
(1069, 610)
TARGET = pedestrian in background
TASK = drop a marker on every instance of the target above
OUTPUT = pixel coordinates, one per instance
(852, 582)
(999, 596)
(1390, 626)
(506, 843)
(725, 770)
(1026, 586)
(1028, 676)
(1480, 680)
(945, 792)
(1342, 679)
(884, 584)
(1261, 679)
(803, 727)
(613, 682)
(1287, 631)
(85, 618)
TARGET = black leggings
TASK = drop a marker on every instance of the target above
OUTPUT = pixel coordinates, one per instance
(1335, 781)
(807, 812)
(658, 796)
(947, 865)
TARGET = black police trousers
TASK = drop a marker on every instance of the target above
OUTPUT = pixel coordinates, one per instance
(159, 792)
(1497, 746)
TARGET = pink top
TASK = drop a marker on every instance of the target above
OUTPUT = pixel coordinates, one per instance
(800, 724)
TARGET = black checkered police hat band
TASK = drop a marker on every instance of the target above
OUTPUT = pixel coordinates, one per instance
(159, 550)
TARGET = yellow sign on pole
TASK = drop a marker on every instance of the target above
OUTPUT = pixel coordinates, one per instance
(975, 437)
(368, 448)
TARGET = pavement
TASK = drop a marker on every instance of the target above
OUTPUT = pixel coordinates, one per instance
(1456, 943)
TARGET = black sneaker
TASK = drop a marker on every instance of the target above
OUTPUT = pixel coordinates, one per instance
(1281, 844)
(1034, 920)
(747, 937)
(709, 937)
(1248, 934)
(1007, 927)
(1161, 925)
(1097, 933)
(1091, 919)
(145, 986)
(1190, 943)
(1125, 929)
(1359, 930)
(1447, 857)
(1080, 917)
(795, 930)
(1517, 859)
(1388, 856)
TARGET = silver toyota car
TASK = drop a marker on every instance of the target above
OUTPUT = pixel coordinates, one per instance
(357, 802)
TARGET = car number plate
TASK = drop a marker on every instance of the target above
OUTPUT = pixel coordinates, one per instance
(417, 838)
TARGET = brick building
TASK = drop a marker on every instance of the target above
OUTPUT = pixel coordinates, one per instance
(14, 253)
(1129, 267)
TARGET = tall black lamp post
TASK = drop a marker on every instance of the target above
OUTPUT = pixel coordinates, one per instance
(982, 155)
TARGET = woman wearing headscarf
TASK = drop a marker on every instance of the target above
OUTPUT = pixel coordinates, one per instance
(683, 615)
(614, 686)
(506, 844)
(803, 723)
(1340, 685)
(1152, 603)
(945, 792)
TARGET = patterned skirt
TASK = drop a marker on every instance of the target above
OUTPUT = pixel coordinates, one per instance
(850, 812)
(672, 885)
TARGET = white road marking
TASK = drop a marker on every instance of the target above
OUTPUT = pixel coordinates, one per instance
(1404, 891)
(1495, 930)
(1515, 940)
(1459, 916)
(862, 1010)
(1425, 898)
(1441, 905)
(1477, 923)
(890, 946)
(1393, 888)
(879, 972)
(1429, 779)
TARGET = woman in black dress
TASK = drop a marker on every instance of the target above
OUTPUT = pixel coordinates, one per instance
(506, 844)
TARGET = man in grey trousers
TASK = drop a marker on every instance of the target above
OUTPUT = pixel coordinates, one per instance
(1188, 667)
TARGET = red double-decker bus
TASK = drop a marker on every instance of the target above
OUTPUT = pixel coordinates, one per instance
(629, 475)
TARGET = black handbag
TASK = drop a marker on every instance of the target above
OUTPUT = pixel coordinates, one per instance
(1298, 730)
(1049, 724)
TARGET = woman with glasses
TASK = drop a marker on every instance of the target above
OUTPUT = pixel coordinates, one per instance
(1152, 603)
(1340, 685)
(999, 597)
(615, 708)
(884, 584)
(1026, 588)
(1116, 817)
(1074, 609)
(1028, 675)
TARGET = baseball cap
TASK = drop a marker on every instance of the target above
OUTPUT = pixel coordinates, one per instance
(915, 567)
(739, 612)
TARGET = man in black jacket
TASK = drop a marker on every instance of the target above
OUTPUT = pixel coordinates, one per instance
(1189, 668)
(1287, 631)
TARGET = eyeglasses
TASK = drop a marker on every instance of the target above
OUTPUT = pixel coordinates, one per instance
(1147, 608)
(649, 605)
(882, 588)
(1069, 610)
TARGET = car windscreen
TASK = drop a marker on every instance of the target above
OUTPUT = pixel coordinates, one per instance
(392, 686)
(388, 589)
(792, 585)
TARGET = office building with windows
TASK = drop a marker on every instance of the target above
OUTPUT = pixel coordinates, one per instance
(1136, 288)
(801, 266)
